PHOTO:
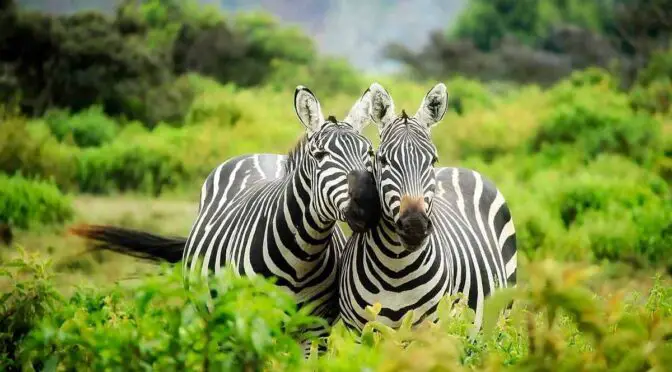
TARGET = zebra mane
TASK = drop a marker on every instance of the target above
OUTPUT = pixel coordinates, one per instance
(294, 154)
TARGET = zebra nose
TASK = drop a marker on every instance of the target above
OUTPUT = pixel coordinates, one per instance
(414, 227)
(363, 210)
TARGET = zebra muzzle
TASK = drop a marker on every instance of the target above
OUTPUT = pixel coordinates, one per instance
(413, 227)
(363, 210)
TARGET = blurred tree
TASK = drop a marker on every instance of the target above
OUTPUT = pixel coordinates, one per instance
(542, 41)
(486, 22)
(241, 51)
(129, 62)
(77, 61)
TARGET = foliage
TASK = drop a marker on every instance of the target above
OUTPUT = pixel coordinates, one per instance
(488, 22)
(606, 209)
(131, 64)
(33, 153)
(653, 90)
(162, 325)
(25, 203)
(327, 75)
(597, 120)
(557, 323)
(73, 62)
(124, 167)
(542, 42)
(32, 297)
(88, 128)
(560, 320)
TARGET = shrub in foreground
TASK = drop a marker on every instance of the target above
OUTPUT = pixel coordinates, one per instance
(25, 203)
(558, 322)
(161, 325)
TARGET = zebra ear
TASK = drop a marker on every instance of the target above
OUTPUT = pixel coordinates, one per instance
(308, 109)
(382, 106)
(433, 106)
(360, 113)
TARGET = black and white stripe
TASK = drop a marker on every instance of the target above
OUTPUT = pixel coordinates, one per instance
(275, 216)
(442, 231)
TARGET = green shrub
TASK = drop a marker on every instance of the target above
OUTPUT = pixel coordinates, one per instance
(653, 97)
(561, 320)
(597, 120)
(221, 107)
(608, 209)
(593, 76)
(653, 89)
(35, 153)
(25, 203)
(168, 103)
(136, 166)
(87, 128)
(330, 76)
(164, 326)
(30, 298)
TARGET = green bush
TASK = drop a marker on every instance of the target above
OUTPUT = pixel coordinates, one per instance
(610, 208)
(87, 128)
(327, 75)
(653, 89)
(594, 76)
(168, 103)
(27, 149)
(25, 203)
(221, 107)
(164, 326)
(597, 120)
(561, 320)
(653, 97)
(121, 166)
(30, 298)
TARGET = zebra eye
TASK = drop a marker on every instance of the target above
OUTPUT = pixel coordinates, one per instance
(371, 153)
(320, 154)
(382, 160)
(435, 159)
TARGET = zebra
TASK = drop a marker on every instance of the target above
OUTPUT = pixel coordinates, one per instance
(441, 231)
(276, 216)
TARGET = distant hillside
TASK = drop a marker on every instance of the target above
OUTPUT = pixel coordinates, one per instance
(354, 29)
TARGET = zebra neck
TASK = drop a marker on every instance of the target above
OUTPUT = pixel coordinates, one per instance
(311, 232)
(384, 240)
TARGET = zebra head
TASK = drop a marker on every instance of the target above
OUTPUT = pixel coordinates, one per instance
(405, 163)
(341, 160)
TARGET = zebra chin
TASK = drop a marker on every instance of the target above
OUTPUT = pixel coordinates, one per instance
(413, 229)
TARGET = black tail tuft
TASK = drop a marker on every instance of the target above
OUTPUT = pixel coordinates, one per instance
(133, 243)
(6, 235)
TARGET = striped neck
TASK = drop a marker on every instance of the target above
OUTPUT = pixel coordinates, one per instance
(384, 240)
(310, 228)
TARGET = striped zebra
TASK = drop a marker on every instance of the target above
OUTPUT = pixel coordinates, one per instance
(276, 216)
(442, 230)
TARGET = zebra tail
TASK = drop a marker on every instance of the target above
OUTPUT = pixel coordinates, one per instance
(131, 242)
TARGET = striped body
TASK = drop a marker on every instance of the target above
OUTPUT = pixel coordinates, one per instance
(276, 216)
(472, 250)
(249, 217)
(442, 231)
